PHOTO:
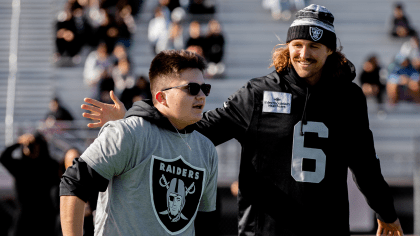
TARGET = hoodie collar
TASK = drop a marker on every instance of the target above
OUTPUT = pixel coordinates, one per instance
(149, 112)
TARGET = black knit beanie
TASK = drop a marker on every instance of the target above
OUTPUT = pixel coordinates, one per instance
(314, 23)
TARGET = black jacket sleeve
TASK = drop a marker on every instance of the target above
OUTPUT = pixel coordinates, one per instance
(230, 121)
(365, 164)
(8, 162)
(82, 181)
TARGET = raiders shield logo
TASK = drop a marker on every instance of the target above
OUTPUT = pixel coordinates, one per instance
(176, 188)
(316, 33)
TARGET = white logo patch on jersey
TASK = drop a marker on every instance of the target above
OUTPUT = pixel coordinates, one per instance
(277, 102)
(316, 33)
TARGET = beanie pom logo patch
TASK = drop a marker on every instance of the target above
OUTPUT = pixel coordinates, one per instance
(316, 33)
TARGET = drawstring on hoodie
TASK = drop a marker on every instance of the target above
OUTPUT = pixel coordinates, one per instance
(303, 120)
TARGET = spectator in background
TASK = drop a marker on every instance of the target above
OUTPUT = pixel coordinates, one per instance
(109, 31)
(195, 38)
(57, 112)
(126, 25)
(176, 38)
(122, 72)
(403, 81)
(140, 91)
(214, 48)
(122, 75)
(370, 80)
(401, 27)
(202, 7)
(105, 86)
(158, 30)
(70, 31)
(94, 17)
(97, 65)
(36, 179)
(119, 52)
(411, 49)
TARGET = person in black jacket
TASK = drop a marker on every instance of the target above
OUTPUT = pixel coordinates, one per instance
(370, 80)
(36, 176)
(401, 27)
(301, 128)
(57, 111)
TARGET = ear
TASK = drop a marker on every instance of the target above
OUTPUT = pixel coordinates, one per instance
(160, 98)
(329, 51)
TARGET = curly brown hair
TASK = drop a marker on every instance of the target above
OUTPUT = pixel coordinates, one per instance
(335, 63)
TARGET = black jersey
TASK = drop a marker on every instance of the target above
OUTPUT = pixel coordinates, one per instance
(297, 145)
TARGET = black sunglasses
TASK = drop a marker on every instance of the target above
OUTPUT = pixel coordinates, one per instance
(194, 88)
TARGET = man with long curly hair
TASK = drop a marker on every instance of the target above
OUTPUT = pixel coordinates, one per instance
(301, 128)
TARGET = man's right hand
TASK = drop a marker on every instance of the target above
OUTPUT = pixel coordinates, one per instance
(103, 112)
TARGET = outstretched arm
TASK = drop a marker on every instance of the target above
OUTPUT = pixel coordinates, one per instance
(72, 215)
(103, 112)
(389, 228)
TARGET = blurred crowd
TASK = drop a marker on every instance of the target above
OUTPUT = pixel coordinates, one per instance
(171, 17)
(104, 28)
(284, 9)
(399, 80)
(89, 22)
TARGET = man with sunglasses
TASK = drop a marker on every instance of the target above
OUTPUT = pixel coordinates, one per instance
(301, 128)
(154, 172)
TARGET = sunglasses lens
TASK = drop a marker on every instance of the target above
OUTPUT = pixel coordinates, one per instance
(194, 88)
(206, 89)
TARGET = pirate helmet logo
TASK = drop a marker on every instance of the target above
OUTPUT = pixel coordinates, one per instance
(175, 202)
(175, 198)
(316, 33)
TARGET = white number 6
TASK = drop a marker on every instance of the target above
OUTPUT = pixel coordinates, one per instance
(300, 152)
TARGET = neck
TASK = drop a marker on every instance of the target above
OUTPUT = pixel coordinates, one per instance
(314, 79)
(177, 125)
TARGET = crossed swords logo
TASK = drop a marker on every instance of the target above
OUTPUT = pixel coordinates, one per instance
(189, 190)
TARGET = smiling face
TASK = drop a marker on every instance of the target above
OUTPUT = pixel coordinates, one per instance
(182, 108)
(308, 59)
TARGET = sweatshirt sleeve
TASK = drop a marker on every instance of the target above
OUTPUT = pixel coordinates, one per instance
(365, 164)
(230, 121)
(109, 155)
(82, 181)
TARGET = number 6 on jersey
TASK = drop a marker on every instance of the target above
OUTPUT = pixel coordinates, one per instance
(300, 153)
